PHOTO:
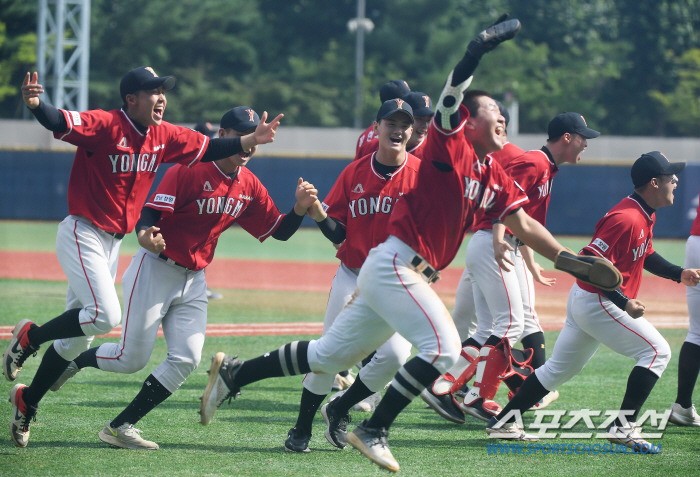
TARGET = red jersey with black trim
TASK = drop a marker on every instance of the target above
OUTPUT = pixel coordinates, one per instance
(695, 229)
(623, 236)
(373, 146)
(509, 152)
(198, 204)
(367, 143)
(363, 200)
(453, 188)
(115, 164)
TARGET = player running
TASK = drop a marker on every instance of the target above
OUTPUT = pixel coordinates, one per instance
(356, 213)
(593, 316)
(425, 230)
(190, 210)
(116, 161)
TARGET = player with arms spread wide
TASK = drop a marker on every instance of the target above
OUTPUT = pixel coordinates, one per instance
(118, 154)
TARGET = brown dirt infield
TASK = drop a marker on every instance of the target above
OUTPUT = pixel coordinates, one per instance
(664, 299)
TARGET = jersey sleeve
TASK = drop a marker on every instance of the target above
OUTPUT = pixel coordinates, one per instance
(87, 129)
(336, 202)
(444, 145)
(262, 217)
(612, 238)
(185, 146)
(165, 198)
(504, 192)
(525, 172)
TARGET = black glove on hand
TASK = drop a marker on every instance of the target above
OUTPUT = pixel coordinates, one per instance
(493, 36)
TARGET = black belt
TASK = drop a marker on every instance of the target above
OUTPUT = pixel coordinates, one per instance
(162, 256)
(424, 268)
(116, 235)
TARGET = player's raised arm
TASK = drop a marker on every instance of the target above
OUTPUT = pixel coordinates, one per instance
(31, 89)
(447, 114)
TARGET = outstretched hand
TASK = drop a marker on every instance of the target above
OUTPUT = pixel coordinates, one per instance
(493, 36)
(306, 194)
(690, 277)
(31, 89)
(265, 132)
(501, 252)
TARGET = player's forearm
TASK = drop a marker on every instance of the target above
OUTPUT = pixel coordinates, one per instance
(528, 258)
(661, 267)
(288, 226)
(332, 230)
(618, 298)
(219, 148)
(50, 117)
(533, 234)
(149, 217)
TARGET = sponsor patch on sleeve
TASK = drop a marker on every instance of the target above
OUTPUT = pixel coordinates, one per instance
(600, 244)
(325, 206)
(75, 117)
(165, 199)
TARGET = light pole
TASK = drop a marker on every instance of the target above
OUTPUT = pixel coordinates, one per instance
(359, 25)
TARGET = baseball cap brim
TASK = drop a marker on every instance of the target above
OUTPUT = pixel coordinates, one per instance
(674, 168)
(588, 133)
(396, 111)
(167, 82)
(421, 112)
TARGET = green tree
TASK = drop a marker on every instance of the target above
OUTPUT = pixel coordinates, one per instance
(681, 107)
(17, 52)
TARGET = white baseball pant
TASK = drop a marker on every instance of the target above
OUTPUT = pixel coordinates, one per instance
(392, 297)
(692, 260)
(89, 258)
(389, 357)
(592, 319)
(464, 312)
(157, 292)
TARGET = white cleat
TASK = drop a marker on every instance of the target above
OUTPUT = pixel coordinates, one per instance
(221, 385)
(373, 443)
(369, 404)
(546, 401)
(509, 431)
(125, 436)
(681, 416)
(70, 371)
(631, 437)
(341, 383)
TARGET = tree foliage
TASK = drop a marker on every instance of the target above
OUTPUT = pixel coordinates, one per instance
(627, 65)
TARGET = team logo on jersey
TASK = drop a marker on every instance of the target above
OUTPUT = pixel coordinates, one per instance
(250, 113)
(151, 70)
(123, 143)
(427, 101)
(358, 189)
(399, 103)
(207, 187)
(641, 235)
(601, 245)
(243, 196)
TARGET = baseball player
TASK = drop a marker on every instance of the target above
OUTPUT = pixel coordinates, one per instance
(683, 411)
(423, 113)
(118, 154)
(503, 286)
(425, 231)
(366, 143)
(355, 213)
(190, 210)
(624, 237)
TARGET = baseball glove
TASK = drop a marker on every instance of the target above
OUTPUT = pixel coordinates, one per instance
(493, 36)
(592, 270)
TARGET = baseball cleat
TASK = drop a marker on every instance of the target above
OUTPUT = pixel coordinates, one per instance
(336, 426)
(631, 437)
(70, 371)
(481, 408)
(373, 443)
(509, 431)
(545, 401)
(342, 383)
(369, 404)
(125, 436)
(221, 385)
(297, 442)
(22, 414)
(681, 416)
(444, 404)
(18, 350)
(460, 393)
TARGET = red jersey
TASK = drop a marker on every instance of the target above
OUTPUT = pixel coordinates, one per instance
(509, 152)
(623, 236)
(452, 187)
(363, 200)
(198, 204)
(367, 143)
(115, 164)
(373, 146)
(695, 229)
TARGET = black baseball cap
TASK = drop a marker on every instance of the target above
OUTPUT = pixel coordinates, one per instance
(397, 88)
(570, 123)
(144, 77)
(241, 119)
(504, 111)
(393, 106)
(421, 103)
(653, 164)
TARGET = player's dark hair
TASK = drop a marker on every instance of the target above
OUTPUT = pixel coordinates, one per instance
(471, 100)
